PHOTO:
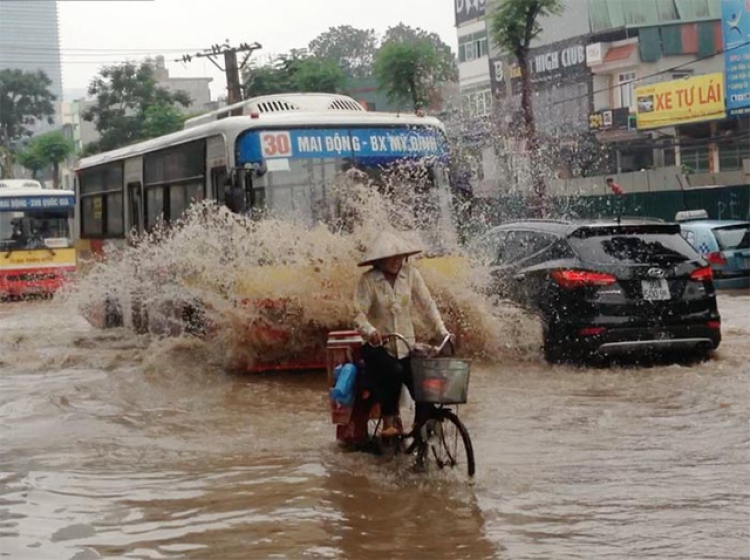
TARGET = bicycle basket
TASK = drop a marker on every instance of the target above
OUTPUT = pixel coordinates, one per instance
(440, 380)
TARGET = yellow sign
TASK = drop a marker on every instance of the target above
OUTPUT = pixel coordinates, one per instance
(37, 258)
(693, 99)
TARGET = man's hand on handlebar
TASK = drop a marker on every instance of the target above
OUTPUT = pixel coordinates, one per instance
(375, 339)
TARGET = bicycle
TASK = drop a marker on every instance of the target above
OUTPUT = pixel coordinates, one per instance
(441, 438)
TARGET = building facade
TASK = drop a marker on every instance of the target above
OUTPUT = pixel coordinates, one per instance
(648, 88)
(30, 41)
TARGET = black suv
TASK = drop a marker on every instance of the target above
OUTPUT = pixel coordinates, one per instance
(605, 287)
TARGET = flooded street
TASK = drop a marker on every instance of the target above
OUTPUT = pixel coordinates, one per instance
(113, 445)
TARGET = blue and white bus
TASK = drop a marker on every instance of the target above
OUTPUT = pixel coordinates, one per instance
(280, 155)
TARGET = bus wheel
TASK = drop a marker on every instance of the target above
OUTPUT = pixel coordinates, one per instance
(139, 316)
(112, 313)
(194, 318)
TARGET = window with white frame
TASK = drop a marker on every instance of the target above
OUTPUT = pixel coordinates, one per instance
(473, 46)
(478, 102)
(625, 90)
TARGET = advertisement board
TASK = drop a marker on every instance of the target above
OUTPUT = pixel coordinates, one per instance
(610, 119)
(467, 10)
(558, 63)
(735, 22)
(683, 101)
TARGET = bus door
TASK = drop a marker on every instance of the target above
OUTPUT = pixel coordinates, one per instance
(218, 183)
(135, 206)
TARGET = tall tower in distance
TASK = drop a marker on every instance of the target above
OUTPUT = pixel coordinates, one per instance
(30, 40)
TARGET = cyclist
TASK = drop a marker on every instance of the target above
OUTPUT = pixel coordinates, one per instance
(383, 301)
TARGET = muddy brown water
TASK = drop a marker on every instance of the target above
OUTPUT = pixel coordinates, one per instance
(117, 446)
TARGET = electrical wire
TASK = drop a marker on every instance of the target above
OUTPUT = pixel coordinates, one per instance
(660, 72)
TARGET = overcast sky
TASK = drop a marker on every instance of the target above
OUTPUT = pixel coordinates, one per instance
(97, 32)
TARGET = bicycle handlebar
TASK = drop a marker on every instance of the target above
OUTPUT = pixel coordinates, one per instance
(446, 340)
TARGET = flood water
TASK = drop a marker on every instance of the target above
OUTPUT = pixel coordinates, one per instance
(114, 445)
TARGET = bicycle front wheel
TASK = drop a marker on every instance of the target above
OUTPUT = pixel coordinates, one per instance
(447, 444)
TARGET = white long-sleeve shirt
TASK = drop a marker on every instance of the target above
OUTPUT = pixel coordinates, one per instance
(388, 309)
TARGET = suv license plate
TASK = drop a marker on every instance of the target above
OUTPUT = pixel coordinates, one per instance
(655, 290)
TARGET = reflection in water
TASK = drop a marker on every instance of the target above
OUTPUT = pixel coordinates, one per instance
(123, 446)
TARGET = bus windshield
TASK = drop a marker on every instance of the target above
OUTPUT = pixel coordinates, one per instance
(303, 169)
(35, 229)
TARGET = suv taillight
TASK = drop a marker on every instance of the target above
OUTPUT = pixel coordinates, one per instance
(716, 258)
(703, 274)
(570, 279)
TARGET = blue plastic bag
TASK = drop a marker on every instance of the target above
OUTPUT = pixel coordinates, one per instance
(344, 391)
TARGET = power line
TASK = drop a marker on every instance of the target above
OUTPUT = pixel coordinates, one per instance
(231, 68)
(42, 50)
(660, 72)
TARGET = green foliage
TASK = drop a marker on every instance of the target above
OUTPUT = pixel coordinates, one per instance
(515, 23)
(32, 160)
(407, 71)
(126, 94)
(161, 119)
(352, 50)
(291, 74)
(25, 99)
(44, 150)
(446, 69)
(315, 74)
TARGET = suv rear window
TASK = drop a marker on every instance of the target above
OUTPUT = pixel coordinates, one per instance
(643, 248)
(733, 237)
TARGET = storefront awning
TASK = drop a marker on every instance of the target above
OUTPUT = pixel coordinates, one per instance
(622, 52)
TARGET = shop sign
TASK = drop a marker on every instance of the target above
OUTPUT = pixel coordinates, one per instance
(699, 98)
(467, 10)
(735, 21)
(594, 54)
(555, 64)
(611, 119)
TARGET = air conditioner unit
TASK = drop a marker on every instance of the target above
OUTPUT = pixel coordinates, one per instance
(746, 166)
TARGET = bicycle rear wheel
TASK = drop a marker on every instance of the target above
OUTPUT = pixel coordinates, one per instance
(447, 444)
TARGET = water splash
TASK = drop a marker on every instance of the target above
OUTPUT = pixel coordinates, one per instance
(270, 289)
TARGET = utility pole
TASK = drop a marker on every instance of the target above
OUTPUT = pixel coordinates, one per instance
(231, 68)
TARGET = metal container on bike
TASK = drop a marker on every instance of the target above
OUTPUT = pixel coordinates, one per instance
(440, 380)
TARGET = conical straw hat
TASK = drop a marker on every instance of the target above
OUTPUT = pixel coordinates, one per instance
(388, 245)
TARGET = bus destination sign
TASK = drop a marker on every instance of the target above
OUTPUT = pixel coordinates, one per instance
(338, 143)
(36, 203)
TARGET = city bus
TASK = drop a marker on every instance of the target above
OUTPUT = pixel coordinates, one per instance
(274, 155)
(36, 238)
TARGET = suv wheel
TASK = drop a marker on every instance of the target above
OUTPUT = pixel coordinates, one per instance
(553, 346)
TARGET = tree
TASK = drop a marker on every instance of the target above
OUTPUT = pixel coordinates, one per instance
(32, 160)
(44, 150)
(53, 148)
(407, 70)
(294, 74)
(161, 119)
(25, 99)
(352, 50)
(266, 80)
(124, 94)
(317, 74)
(513, 25)
(447, 68)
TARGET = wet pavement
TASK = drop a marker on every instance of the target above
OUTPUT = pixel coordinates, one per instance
(114, 445)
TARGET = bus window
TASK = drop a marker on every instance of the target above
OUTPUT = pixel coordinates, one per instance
(173, 179)
(102, 201)
(154, 206)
